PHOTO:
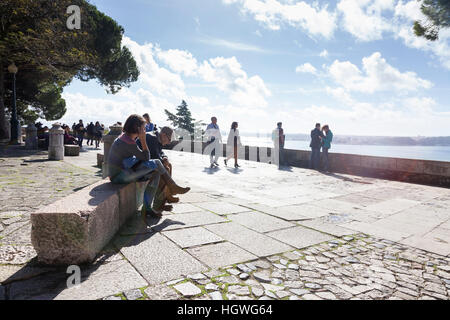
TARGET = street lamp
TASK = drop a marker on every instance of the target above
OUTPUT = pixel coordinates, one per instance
(16, 130)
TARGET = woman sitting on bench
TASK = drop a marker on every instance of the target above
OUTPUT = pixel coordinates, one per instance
(128, 163)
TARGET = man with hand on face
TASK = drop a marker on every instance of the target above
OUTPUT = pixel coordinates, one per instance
(156, 142)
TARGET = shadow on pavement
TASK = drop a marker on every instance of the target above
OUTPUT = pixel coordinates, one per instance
(337, 176)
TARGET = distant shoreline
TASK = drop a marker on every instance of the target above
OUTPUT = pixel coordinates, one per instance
(369, 140)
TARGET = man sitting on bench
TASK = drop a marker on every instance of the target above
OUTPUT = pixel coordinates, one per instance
(155, 143)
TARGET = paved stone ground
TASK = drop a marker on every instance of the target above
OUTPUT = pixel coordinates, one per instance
(252, 233)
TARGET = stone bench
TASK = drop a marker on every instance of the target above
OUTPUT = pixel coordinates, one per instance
(71, 150)
(75, 229)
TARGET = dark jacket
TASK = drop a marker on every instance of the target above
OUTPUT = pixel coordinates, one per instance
(316, 143)
(154, 146)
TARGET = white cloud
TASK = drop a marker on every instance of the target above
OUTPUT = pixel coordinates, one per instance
(323, 54)
(364, 19)
(228, 76)
(113, 108)
(159, 79)
(179, 61)
(225, 73)
(377, 75)
(313, 19)
(369, 20)
(410, 117)
(237, 46)
(306, 68)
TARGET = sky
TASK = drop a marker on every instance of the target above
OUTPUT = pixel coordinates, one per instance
(352, 64)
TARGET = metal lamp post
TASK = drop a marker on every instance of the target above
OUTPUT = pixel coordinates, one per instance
(16, 130)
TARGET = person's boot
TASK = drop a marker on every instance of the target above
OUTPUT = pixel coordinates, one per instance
(172, 186)
(169, 197)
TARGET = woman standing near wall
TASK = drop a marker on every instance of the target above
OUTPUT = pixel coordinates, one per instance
(326, 145)
(233, 142)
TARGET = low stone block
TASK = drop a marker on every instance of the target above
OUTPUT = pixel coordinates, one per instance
(71, 150)
(100, 159)
(74, 229)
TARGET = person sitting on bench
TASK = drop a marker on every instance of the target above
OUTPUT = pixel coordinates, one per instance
(128, 163)
(155, 142)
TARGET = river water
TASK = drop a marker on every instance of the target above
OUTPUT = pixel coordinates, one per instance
(438, 153)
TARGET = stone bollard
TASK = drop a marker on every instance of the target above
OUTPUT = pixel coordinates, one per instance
(56, 143)
(114, 132)
(31, 141)
(7, 138)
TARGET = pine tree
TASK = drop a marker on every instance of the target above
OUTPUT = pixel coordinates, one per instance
(182, 119)
(437, 13)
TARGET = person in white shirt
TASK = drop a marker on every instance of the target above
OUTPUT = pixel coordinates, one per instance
(214, 137)
(233, 142)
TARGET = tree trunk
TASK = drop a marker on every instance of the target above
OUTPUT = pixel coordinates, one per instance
(3, 133)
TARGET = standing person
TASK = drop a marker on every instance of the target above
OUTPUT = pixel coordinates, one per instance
(316, 144)
(278, 138)
(326, 145)
(90, 133)
(149, 126)
(128, 163)
(214, 137)
(79, 131)
(233, 142)
(98, 134)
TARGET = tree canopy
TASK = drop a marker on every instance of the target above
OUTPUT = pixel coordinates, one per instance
(438, 16)
(34, 35)
(183, 120)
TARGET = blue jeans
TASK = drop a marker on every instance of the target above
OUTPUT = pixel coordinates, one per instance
(325, 158)
(143, 173)
(80, 139)
(315, 158)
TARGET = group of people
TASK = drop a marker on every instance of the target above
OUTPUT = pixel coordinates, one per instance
(137, 155)
(93, 133)
(321, 138)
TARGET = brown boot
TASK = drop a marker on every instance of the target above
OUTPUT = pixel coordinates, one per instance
(172, 186)
(169, 197)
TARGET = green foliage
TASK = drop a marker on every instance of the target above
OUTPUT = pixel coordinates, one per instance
(183, 120)
(438, 16)
(34, 35)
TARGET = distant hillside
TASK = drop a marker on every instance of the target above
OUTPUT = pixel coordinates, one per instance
(384, 141)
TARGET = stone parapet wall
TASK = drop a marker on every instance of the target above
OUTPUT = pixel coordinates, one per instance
(436, 173)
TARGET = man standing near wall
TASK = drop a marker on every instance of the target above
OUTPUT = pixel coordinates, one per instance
(215, 138)
(278, 138)
(316, 144)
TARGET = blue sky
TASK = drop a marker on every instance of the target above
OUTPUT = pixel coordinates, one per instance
(354, 65)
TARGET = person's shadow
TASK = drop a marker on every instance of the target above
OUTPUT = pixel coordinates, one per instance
(235, 170)
(285, 168)
(211, 171)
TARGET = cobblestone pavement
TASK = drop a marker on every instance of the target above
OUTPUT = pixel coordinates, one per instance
(252, 233)
(28, 181)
